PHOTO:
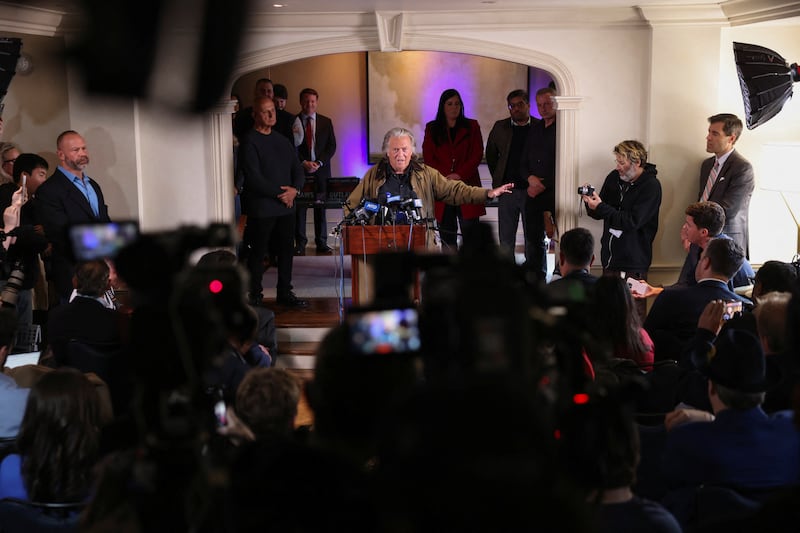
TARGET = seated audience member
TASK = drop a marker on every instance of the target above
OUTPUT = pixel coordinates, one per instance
(351, 393)
(772, 276)
(266, 406)
(575, 258)
(58, 441)
(266, 334)
(229, 368)
(600, 451)
(704, 221)
(12, 397)
(616, 325)
(672, 319)
(770, 314)
(739, 445)
(86, 318)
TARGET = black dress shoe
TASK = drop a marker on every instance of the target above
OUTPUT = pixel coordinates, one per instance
(324, 250)
(255, 300)
(290, 300)
(300, 250)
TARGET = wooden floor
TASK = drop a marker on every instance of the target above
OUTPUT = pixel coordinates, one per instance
(321, 313)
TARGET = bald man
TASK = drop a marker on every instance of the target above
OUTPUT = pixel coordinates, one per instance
(68, 197)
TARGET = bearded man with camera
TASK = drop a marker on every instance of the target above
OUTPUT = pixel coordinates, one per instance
(628, 205)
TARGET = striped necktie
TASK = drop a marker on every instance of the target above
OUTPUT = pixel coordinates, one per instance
(712, 179)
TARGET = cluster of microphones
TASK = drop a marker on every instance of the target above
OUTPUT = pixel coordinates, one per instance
(391, 210)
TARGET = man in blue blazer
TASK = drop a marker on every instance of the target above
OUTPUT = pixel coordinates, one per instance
(672, 320)
(68, 197)
(733, 181)
(738, 446)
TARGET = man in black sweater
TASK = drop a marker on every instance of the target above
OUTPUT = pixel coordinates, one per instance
(272, 178)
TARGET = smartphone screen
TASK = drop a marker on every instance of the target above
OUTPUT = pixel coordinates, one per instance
(732, 308)
(221, 413)
(101, 240)
(384, 331)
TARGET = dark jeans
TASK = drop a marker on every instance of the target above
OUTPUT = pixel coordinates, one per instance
(536, 262)
(510, 208)
(448, 227)
(258, 234)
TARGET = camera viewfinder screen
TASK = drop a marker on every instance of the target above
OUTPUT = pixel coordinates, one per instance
(98, 241)
(385, 331)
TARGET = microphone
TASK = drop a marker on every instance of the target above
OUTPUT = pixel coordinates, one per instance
(358, 216)
(364, 212)
(412, 208)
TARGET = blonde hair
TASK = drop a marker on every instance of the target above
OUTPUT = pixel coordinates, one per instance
(633, 151)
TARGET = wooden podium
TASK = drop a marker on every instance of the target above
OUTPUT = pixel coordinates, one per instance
(364, 242)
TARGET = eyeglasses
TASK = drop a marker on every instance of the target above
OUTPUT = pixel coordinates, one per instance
(515, 105)
(9, 160)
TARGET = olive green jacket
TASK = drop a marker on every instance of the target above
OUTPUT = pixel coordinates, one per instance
(428, 184)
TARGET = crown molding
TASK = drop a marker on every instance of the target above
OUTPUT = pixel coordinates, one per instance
(688, 15)
(741, 12)
(29, 20)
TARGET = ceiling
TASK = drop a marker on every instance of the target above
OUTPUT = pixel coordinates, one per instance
(305, 6)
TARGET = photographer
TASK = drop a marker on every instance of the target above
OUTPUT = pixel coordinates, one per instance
(20, 265)
(628, 205)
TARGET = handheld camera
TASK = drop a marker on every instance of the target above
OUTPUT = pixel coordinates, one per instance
(586, 190)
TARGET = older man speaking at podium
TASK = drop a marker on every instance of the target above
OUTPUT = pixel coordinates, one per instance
(401, 175)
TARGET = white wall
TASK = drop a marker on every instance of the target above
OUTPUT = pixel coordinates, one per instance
(623, 78)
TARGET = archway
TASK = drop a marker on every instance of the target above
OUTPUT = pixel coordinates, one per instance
(568, 100)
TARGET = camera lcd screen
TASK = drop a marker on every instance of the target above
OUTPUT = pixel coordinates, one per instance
(102, 240)
(385, 331)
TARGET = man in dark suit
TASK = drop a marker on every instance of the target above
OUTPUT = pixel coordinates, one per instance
(727, 178)
(68, 197)
(538, 165)
(86, 318)
(316, 144)
(672, 320)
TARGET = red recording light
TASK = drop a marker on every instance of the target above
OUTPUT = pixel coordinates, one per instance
(580, 398)
(215, 286)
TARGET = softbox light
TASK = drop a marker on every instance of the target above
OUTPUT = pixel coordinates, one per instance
(9, 55)
(766, 81)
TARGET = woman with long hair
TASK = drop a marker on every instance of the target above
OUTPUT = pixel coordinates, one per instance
(617, 325)
(58, 441)
(453, 145)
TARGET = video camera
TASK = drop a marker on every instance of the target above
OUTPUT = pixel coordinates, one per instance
(479, 315)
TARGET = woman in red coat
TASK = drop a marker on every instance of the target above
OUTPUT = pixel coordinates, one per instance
(453, 145)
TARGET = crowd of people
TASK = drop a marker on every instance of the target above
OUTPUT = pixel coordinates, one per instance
(565, 405)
